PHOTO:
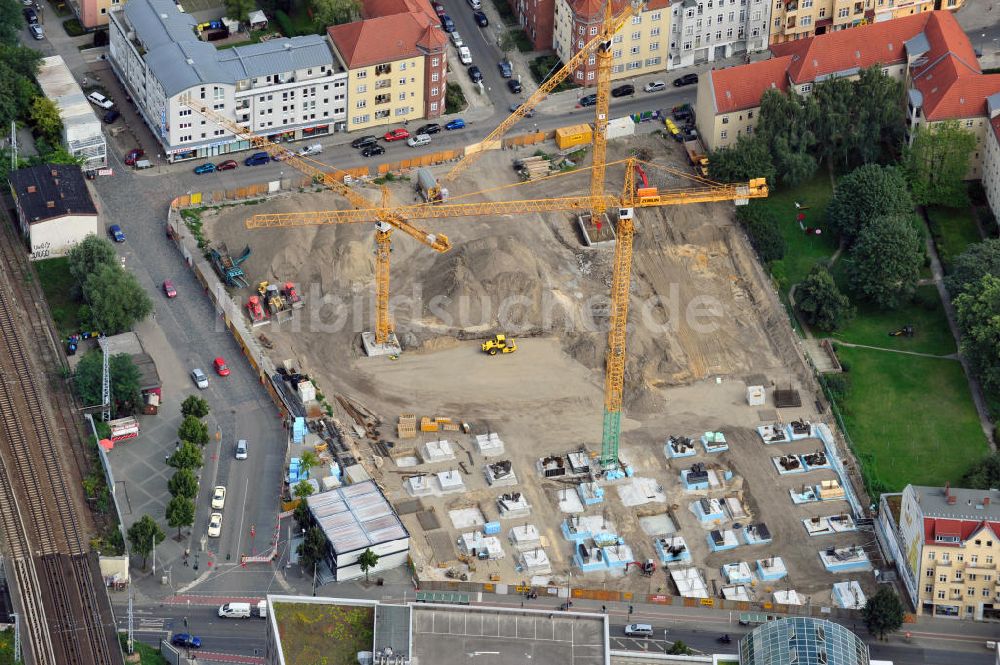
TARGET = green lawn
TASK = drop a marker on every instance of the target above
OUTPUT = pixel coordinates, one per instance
(332, 634)
(926, 314)
(911, 418)
(147, 655)
(804, 251)
(954, 229)
(57, 284)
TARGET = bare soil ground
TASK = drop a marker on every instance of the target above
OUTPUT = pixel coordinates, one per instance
(699, 324)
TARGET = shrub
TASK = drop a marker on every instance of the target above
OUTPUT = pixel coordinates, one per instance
(73, 27)
(765, 234)
(284, 23)
(454, 99)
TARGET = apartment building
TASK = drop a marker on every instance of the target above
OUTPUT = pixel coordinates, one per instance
(396, 59)
(285, 89)
(536, 19)
(946, 544)
(94, 14)
(640, 47)
(928, 52)
(798, 19)
(709, 30)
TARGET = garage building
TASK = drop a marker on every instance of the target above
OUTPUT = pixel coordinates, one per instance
(82, 133)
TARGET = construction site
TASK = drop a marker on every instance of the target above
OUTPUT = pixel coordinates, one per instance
(645, 423)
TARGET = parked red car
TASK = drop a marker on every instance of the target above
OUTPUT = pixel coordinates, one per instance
(397, 134)
(168, 289)
(226, 165)
(221, 368)
(133, 156)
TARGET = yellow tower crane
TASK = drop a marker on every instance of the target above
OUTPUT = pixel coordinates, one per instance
(385, 219)
(600, 43)
(625, 204)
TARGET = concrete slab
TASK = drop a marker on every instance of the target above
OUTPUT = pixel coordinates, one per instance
(374, 349)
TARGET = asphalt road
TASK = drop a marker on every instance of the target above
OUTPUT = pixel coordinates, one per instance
(237, 636)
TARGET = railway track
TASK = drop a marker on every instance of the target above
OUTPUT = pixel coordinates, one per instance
(56, 580)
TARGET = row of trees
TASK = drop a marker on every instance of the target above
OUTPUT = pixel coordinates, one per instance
(183, 485)
(842, 122)
(114, 299)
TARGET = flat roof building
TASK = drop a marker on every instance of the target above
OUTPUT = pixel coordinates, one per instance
(355, 518)
(54, 207)
(82, 133)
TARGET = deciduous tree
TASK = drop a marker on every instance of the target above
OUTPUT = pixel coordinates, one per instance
(239, 10)
(937, 162)
(820, 302)
(11, 22)
(313, 548)
(116, 299)
(765, 235)
(303, 489)
(981, 258)
(194, 406)
(366, 561)
(193, 430)
(89, 255)
(45, 117)
(335, 12)
(984, 474)
(879, 118)
(883, 612)
(124, 381)
(865, 193)
(886, 260)
(183, 483)
(180, 513)
(978, 310)
(187, 456)
(748, 158)
(142, 535)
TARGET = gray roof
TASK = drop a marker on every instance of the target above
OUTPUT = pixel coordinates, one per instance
(179, 60)
(968, 504)
(993, 103)
(355, 517)
(917, 45)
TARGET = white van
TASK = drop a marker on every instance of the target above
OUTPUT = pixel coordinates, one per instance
(639, 630)
(97, 99)
(262, 609)
(314, 149)
(235, 611)
(418, 140)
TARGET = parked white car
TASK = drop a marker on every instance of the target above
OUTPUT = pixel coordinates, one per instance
(456, 39)
(199, 378)
(314, 149)
(215, 525)
(465, 55)
(97, 99)
(219, 497)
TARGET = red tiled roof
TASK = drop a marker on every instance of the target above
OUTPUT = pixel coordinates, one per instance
(860, 47)
(588, 10)
(376, 8)
(738, 88)
(384, 39)
(963, 529)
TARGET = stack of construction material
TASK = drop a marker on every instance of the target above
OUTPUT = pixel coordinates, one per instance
(438, 424)
(407, 426)
(531, 168)
(436, 451)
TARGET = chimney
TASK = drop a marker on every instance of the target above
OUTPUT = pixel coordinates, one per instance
(55, 174)
(32, 189)
(947, 488)
(50, 204)
(986, 502)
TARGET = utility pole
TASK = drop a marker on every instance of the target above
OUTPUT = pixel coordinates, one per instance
(13, 146)
(153, 538)
(106, 385)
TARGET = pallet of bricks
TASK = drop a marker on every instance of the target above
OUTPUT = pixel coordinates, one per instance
(407, 426)
(428, 424)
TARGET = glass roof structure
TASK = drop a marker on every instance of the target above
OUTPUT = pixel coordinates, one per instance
(802, 641)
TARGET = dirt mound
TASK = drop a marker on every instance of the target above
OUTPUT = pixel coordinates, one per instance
(487, 282)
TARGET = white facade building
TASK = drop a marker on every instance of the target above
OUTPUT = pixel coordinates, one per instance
(54, 208)
(285, 89)
(82, 133)
(709, 30)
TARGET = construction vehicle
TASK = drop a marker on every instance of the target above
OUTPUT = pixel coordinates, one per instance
(598, 201)
(429, 188)
(229, 268)
(292, 296)
(499, 344)
(696, 155)
(276, 304)
(258, 315)
(386, 220)
(262, 289)
(905, 331)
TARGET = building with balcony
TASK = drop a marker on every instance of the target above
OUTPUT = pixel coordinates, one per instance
(799, 19)
(928, 52)
(285, 89)
(396, 59)
(709, 30)
(640, 47)
(945, 544)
